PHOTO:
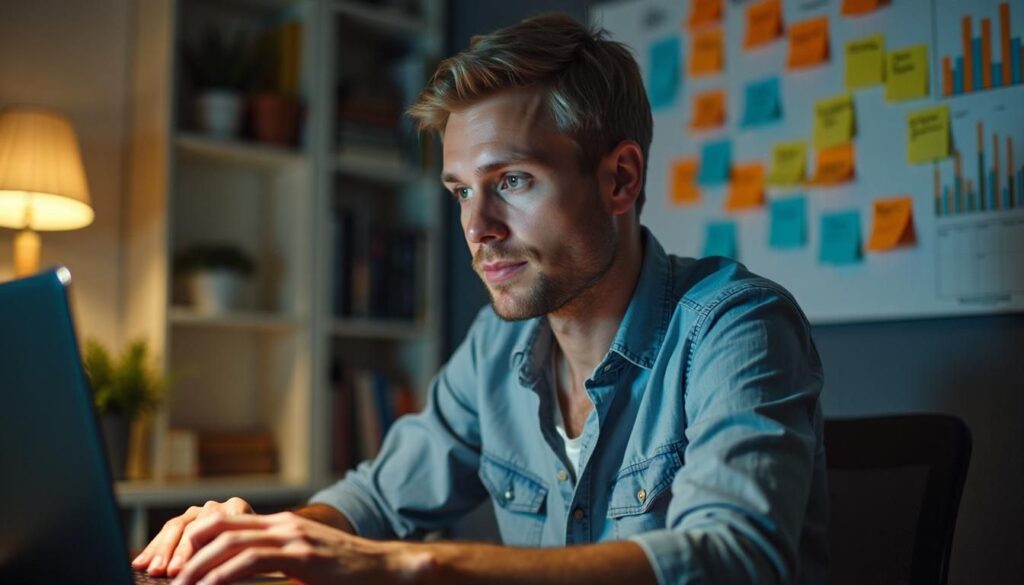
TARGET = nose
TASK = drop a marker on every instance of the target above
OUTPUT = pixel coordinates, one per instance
(482, 221)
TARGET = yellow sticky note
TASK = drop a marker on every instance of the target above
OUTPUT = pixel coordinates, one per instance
(833, 121)
(764, 23)
(859, 7)
(708, 55)
(747, 188)
(892, 224)
(906, 74)
(928, 134)
(834, 165)
(705, 12)
(865, 62)
(808, 43)
(788, 163)
(708, 110)
(684, 183)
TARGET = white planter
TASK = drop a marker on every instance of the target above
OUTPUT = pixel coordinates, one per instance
(214, 291)
(220, 113)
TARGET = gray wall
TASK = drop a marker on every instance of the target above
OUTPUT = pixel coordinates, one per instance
(970, 367)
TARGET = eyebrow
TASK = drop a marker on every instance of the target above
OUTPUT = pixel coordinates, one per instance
(506, 159)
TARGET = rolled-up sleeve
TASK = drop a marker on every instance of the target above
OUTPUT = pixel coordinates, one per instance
(410, 487)
(751, 388)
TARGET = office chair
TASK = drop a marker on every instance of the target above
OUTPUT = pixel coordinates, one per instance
(895, 484)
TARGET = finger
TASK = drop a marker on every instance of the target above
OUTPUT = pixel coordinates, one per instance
(205, 529)
(237, 506)
(225, 547)
(185, 547)
(164, 544)
(249, 562)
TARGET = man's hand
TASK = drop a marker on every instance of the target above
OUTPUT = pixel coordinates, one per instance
(232, 547)
(167, 552)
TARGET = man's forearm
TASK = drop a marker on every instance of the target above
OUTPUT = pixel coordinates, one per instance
(328, 515)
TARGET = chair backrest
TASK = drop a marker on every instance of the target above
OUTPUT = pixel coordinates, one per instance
(895, 484)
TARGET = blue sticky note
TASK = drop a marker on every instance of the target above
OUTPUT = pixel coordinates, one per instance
(663, 74)
(789, 223)
(763, 103)
(720, 239)
(715, 160)
(840, 237)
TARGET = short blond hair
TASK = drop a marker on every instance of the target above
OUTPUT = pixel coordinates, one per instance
(594, 92)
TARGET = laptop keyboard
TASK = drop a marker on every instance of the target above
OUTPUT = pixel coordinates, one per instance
(144, 578)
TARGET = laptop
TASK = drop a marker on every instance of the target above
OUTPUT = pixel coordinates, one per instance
(59, 521)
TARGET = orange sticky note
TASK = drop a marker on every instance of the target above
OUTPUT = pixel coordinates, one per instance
(764, 23)
(747, 189)
(708, 54)
(708, 110)
(859, 7)
(684, 184)
(808, 43)
(705, 12)
(892, 224)
(834, 165)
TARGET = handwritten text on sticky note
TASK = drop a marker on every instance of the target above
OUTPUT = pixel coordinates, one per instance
(865, 61)
(892, 224)
(906, 74)
(928, 134)
(808, 43)
(833, 121)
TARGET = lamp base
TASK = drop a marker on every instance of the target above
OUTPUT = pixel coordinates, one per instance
(26, 253)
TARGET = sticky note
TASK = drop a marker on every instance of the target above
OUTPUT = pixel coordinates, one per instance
(865, 62)
(684, 186)
(834, 165)
(715, 160)
(860, 7)
(704, 12)
(720, 239)
(747, 188)
(763, 103)
(808, 43)
(708, 110)
(840, 238)
(928, 134)
(833, 121)
(764, 23)
(708, 55)
(906, 74)
(788, 163)
(663, 77)
(892, 224)
(788, 223)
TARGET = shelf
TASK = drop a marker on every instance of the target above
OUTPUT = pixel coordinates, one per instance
(195, 492)
(376, 329)
(375, 169)
(389, 21)
(237, 152)
(242, 320)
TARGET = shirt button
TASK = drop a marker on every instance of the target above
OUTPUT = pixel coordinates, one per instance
(562, 475)
(510, 495)
(578, 514)
(641, 495)
(608, 367)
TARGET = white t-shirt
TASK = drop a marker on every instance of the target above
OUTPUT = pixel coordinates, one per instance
(574, 445)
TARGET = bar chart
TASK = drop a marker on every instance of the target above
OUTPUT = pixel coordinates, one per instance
(997, 180)
(984, 56)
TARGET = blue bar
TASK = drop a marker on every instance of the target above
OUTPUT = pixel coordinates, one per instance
(992, 196)
(1006, 198)
(976, 57)
(958, 76)
(945, 201)
(1020, 187)
(1015, 59)
(958, 195)
(997, 75)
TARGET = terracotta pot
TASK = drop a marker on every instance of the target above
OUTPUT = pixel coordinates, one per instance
(275, 118)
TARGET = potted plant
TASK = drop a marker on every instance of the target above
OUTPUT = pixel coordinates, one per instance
(213, 273)
(123, 389)
(222, 67)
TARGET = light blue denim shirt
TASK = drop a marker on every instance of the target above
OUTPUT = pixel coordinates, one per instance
(704, 445)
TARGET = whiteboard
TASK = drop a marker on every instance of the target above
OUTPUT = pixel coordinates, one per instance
(962, 262)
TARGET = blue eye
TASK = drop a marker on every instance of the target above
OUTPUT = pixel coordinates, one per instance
(461, 193)
(514, 182)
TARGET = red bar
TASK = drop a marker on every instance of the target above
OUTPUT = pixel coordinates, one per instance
(965, 30)
(986, 53)
(947, 77)
(1004, 38)
(995, 171)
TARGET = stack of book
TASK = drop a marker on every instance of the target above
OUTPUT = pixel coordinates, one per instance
(365, 403)
(237, 453)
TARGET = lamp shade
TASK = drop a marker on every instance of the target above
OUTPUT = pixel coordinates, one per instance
(42, 182)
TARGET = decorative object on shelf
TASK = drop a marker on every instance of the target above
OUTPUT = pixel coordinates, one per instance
(124, 391)
(237, 453)
(275, 108)
(222, 67)
(214, 273)
(42, 181)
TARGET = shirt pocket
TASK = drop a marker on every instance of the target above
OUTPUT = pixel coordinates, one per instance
(518, 501)
(639, 500)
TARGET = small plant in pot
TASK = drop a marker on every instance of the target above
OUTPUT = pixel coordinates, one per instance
(213, 273)
(123, 390)
(223, 67)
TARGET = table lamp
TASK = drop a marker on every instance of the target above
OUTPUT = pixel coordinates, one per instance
(42, 182)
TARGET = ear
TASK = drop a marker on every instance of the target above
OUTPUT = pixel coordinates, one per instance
(624, 166)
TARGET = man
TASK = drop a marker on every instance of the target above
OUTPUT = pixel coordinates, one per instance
(658, 414)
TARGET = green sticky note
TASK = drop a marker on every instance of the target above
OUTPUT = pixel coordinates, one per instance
(788, 223)
(906, 74)
(840, 238)
(789, 160)
(720, 239)
(865, 61)
(833, 121)
(928, 134)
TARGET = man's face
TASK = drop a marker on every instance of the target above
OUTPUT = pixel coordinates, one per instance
(536, 225)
